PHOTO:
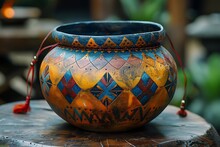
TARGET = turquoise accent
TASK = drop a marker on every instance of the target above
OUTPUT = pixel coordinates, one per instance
(99, 31)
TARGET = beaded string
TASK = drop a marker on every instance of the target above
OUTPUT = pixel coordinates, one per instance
(182, 111)
(24, 108)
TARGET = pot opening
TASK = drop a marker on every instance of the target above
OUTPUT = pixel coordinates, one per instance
(109, 28)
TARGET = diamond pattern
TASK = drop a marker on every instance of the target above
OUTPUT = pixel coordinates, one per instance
(83, 61)
(100, 62)
(69, 61)
(124, 55)
(45, 81)
(117, 62)
(158, 53)
(171, 83)
(59, 58)
(145, 89)
(108, 55)
(150, 54)
(133, 60)
(80, 55)
(138, 55)
(170, 87)
(94, 55)
(106, 101)
(106, 90)
(68, 87)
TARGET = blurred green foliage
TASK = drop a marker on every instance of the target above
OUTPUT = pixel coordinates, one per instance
(203, 89)
(206, 75)
(210, 84)
(150, 10)
(203, 79)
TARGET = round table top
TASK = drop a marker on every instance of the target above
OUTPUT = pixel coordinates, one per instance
(42, 127)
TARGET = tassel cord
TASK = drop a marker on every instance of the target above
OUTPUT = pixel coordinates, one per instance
(182, 111)
(24, 108)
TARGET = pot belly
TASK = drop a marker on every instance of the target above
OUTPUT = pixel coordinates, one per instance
(108, 90)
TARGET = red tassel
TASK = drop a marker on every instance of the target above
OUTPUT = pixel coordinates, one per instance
(182, 112)
(23, 108)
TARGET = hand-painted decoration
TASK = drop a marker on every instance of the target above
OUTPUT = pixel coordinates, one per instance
(108, 76)
(68, 87)
(145, 89)
(106, 90)
(45, 80)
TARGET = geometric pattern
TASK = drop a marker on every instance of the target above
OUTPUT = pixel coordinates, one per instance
(145, 89)
(91, 44)
(108, 55)
(124, 55)
(170, 87)
(100, 62)
(140, 42)
(150, 54)
(45, 81)
(85, 115)
(100, 39)
(171, 83)
(138, 55)
(109, 44)
(76, 43)
(125, 43)
(106, 90)
(102, 57)
(68, 87)
(117, 62)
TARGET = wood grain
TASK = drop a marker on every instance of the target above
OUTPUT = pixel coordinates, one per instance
(42, 127)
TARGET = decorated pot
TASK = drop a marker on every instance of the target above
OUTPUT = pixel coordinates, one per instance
(108, 76)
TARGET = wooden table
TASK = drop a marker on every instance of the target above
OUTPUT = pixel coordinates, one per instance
(42, 127)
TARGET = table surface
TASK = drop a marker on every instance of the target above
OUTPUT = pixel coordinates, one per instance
(42, 127)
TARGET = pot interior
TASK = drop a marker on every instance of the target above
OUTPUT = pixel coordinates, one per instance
(109, 28)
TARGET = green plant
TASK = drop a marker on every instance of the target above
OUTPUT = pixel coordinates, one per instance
(143, 10)
(206, 75)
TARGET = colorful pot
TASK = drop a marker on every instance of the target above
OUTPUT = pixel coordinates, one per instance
(108, 76)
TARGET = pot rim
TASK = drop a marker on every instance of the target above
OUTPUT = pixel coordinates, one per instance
(150, 32)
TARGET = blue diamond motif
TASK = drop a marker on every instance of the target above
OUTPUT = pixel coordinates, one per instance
(45, 81)
(106, 88)
(145, 89)
(68, 87)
